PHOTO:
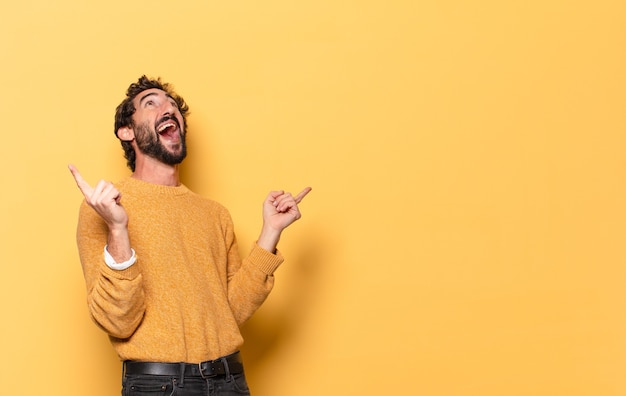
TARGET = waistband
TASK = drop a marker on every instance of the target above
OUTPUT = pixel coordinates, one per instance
(231, 364)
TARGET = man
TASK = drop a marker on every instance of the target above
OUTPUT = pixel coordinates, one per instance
(163, 275)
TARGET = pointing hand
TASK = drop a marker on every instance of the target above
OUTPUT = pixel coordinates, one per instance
(280, 209)
(104, 198)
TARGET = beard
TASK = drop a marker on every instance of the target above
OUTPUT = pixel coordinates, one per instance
(149, 144)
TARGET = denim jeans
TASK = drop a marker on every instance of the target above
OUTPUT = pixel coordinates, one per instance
(162, 385)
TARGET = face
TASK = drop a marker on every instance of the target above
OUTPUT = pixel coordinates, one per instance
(159, 127)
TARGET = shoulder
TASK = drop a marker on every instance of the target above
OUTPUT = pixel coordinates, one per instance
(211, 205)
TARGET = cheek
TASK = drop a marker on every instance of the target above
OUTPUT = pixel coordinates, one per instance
(143, 132)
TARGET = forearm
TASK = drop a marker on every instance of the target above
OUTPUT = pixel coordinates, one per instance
(118, 244)
(115, 297)
(116, 301)
(251, 284)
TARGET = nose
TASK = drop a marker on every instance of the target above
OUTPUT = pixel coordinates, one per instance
(168, 108)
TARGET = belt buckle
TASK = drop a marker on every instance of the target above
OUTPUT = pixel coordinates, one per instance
(210, 367)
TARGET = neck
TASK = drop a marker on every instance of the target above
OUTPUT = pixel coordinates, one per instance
(152, 171)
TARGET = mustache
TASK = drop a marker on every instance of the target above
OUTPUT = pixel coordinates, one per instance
(167, 118)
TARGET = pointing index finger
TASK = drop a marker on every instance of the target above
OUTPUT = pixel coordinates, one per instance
(84, 187)
(302, 194)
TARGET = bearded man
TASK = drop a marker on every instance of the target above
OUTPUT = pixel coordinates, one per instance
(163, 275)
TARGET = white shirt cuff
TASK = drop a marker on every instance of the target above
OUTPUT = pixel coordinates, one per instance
(110, 261)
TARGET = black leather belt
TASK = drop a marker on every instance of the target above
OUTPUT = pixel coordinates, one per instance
(230, 364)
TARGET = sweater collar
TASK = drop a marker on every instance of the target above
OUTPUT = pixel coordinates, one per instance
(151, 188)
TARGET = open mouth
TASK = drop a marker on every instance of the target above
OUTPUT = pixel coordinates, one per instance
(168, 128)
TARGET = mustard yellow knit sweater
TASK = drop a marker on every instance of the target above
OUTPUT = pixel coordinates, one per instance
(188, 292)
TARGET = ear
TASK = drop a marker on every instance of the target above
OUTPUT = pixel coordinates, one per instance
(126, 133)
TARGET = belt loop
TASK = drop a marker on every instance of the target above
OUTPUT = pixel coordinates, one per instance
(226, 369)
(181, 383)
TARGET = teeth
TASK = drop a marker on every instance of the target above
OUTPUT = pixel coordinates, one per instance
(165, 126)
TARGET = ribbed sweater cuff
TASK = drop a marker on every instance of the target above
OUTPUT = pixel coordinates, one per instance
(264, 260)
(129, 273)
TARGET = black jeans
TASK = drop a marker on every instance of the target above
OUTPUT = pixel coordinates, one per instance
(163, 385)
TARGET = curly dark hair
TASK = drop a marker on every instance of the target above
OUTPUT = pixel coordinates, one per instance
(125, 110)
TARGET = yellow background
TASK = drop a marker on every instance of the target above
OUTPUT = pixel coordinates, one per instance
(465, 234)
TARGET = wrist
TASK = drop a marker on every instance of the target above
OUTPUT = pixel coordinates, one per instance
(268, 239)
(118, 244)
(118, 228)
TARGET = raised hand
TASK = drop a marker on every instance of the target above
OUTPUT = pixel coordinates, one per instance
(104, 198)
(280, 209)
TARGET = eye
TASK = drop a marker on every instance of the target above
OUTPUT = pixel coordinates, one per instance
(150, 103)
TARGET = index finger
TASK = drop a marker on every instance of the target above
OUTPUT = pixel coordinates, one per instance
(84, 187)
(302, 194)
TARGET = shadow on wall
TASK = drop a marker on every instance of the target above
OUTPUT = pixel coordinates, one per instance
(199, 168)
(277, 323)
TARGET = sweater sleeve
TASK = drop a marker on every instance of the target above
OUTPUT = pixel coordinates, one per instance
(115, 298)
(249, 281)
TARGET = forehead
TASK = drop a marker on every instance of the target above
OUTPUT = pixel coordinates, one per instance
(150, 93)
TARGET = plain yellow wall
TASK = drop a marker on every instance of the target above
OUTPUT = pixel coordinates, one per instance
(465, 234)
